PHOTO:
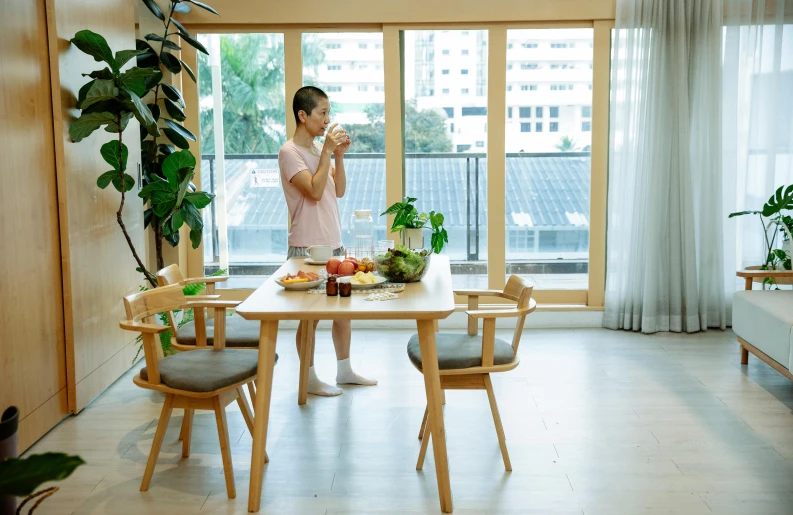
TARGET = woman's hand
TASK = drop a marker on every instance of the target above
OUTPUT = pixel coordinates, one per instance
(334, 138)
(343, 146)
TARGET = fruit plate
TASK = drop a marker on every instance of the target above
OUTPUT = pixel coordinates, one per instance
(356, 286)
(298, 286)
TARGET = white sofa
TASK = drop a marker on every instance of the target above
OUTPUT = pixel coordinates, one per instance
(763, 321)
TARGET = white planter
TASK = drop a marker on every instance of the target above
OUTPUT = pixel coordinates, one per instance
(414, 238)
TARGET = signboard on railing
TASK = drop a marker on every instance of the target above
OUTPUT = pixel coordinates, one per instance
(264, 178)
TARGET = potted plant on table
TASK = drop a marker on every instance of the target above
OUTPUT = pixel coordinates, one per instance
(774, 223)
(410, 224)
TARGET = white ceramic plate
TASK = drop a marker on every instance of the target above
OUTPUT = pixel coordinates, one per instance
(299, 286)
(310, 261)
(355, 286)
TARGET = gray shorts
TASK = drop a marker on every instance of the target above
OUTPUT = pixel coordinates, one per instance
(303, 252)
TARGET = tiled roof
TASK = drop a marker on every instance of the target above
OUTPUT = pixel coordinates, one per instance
(545, 191)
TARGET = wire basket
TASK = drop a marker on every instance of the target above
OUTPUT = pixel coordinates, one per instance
(359, 253)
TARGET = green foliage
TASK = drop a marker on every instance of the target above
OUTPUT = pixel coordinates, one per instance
(425, 130)
(20, 477)
(567, 144)
(408, 217)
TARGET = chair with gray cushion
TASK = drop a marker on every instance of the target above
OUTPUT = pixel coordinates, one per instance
(466, 360)
(206, 378)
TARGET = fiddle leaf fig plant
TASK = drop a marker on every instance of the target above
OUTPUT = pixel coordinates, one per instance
(408, 217)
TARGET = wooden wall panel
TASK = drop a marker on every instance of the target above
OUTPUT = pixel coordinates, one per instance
(98, 266)
(32, 358)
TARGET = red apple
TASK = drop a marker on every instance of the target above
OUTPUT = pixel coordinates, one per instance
(332, 266)
(347, 268)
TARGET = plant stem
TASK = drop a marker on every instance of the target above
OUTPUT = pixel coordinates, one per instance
(146, 273)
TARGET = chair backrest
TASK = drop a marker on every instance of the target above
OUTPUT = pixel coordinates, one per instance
(142, 307)
(168, 276)
(519, 290)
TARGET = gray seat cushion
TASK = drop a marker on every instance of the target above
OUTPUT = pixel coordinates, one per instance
(457, 351)
(239, 332)
(205, 370)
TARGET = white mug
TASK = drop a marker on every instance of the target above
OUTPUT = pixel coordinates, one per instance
(320, 252)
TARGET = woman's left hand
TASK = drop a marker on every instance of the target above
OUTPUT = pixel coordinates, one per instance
(342, 148)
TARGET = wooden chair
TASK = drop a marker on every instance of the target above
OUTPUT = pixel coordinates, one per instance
(240, 333)
(206, 378)
(466, 361)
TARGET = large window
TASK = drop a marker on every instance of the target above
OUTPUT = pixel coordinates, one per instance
(445, 153)
(357, 105)
(548, 165)
(247, 222)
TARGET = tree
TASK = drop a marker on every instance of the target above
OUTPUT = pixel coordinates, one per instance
(567, 144)
(425, 130)
(254, 107)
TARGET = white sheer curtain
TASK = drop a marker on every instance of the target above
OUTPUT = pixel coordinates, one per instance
(758, 120)
(665, 267)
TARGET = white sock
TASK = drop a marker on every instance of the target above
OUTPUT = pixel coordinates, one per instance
(317, 387)
(345, 375)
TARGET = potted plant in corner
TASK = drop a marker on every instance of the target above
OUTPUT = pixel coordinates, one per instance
(775, 222)
(410, 224)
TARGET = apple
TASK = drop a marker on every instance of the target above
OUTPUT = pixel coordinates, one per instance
(332, 266)
(347, 268)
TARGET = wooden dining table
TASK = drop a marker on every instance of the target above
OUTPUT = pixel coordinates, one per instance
(426, 302)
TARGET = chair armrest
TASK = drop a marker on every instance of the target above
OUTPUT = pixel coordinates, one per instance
(131, 325)
(214, 304)
(197, 280)
(479, 293)
(503, 313)
(203, 297)
(764, 273)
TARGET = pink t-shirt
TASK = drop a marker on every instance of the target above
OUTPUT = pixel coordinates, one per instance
(313, 223)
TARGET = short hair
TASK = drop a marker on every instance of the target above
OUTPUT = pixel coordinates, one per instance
(306, 99)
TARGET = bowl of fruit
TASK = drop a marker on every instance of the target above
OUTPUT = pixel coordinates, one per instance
(349, 266)
(363, 280)
(300, 281)
(402, 265)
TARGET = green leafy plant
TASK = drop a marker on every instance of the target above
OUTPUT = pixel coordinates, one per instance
(167, 189)
(20, 477)
(775, 222)
(408, 217)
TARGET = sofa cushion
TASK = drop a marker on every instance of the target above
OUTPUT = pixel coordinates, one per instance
(239, 332)
(205, 370)
(765, 319)
(457, 351)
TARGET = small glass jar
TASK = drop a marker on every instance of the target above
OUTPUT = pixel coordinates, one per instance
(345, 289)
(332, 287)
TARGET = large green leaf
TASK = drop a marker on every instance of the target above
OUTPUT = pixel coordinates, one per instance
(100, 91)
(186, 36)
(159, 185)
(114, 125)
(170, 62)
(192, 216)
(134, 79)
(166, 43)
(162, 209)
(782, 199)
(188, 70)
(104, 73)
(122, 56)
(20, 477)
(155, 111)
(174, 110)
(203, 6)
(175, 162)
(185, 174)
(177, 220)
(165, 150)
(83, 93)
(103, 181)
(180, 129)
(195, 236)
(147, 216)
(155, 9)
(179, 26)
(96, 46)
(87, 123)
(142, 113)
(173, 93)
(129, 182)
(109, 153)
(148, 60)
(176, 138)
(200, 199)
(741, 213)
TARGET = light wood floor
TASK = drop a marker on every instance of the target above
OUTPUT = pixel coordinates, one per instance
(597, 422)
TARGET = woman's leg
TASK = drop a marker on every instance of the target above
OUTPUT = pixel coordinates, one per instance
(342, 334)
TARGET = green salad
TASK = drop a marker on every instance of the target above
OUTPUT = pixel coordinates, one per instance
(403, 265)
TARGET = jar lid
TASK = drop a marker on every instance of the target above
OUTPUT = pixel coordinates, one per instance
(362, 213)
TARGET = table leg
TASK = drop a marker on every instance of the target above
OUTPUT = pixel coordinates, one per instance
(306, 347)
(264, 386)
(432, 385)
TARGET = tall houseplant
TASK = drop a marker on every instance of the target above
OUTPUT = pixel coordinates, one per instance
(410, 223)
